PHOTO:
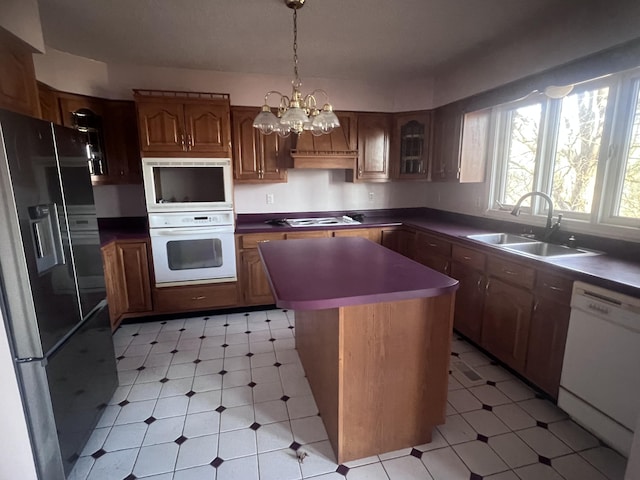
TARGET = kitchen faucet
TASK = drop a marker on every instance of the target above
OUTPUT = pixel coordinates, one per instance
(549, 229)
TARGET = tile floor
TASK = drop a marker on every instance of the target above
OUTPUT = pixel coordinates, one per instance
(225, 398)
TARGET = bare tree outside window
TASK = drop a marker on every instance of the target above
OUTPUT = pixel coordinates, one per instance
(524, 129)
(629, 205)
(580, 128)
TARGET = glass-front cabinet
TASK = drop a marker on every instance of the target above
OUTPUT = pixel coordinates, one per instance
(411, 145)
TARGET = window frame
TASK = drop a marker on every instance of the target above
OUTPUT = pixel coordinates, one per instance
(623, 87)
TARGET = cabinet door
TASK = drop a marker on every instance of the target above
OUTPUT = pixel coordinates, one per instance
(447, 123)
(49, 107)
(469, 301)
(255, 156)
(505, 323)
(135, 288)
(373, 146)
(256, 288)
(18, 87)
(410, 146)
(547, 339)
(112, 277)
(398, 240)
(161, 127)
(207, 128)
(121, 144)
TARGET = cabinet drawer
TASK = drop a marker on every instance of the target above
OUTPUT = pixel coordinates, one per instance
(469, 257)
(554, 287)
(313, 234)
(200, 297)
(252, 241)
(513, 272)
(433, 244)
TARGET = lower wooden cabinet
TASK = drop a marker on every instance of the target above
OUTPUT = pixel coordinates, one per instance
(469, 301)
(433, 252)
(505, 323)
(192, 298)
(126, 269)
(399, 240)
(255, 286)
(548, 332)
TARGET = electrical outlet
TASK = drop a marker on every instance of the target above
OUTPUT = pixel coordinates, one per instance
(478, 202)
(270, 199)
(371, 196)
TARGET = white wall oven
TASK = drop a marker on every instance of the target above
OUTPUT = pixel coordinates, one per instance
(192, 247)
(187, 184)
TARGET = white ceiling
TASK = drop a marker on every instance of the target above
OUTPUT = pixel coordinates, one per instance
(345, 39)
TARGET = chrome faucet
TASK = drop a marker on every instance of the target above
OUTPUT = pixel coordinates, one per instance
(550, 228)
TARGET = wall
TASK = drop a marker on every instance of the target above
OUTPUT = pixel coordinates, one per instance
(326, 190)
(16, 460)
(570, 33)
(22, 18)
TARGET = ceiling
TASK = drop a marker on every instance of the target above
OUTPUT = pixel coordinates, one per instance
(345, 39)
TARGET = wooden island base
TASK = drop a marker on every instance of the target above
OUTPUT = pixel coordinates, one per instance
(378, 371)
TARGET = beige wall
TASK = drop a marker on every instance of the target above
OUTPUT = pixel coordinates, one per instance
(22, 18)
(16, 459)
(568, 34)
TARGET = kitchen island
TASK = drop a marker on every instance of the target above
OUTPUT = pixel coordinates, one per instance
(373, 331)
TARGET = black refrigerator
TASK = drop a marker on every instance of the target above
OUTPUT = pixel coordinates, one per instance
(52, 288)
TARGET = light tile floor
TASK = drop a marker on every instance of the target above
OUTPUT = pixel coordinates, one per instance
(225, 398)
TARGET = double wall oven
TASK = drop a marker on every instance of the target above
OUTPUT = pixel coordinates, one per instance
(191, 220)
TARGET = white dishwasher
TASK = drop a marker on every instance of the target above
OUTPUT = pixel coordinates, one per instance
(600, 383)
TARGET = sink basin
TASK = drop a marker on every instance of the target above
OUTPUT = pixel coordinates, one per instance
(542, 249)
(500, 238)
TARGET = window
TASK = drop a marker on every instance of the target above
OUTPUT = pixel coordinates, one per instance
(583, 150)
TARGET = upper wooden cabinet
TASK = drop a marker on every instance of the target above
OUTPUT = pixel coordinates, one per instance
(183, 124)
(113, 134)
(49, 107)
(18, 87)
(411, 146)
(447, 122)
(374, 132)
(257, 158)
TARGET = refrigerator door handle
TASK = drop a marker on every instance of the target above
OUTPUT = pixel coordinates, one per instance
(57, 236)
(38, 240)
(42, 360)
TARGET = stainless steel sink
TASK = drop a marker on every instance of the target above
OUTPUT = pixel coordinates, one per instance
(542, 249)
(528, 246)
(500, 238)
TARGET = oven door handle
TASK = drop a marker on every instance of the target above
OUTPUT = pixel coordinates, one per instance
(172, 232)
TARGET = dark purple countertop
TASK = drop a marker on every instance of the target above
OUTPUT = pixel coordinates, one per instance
(314, 274)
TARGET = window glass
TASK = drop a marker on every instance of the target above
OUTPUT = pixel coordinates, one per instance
(629, 203)
(580, 127)
(192, 254)
(523, 128)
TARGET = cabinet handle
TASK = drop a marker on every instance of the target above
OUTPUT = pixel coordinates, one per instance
(535, 306)
(486, 287)
(190, 141)
(263, 241)
(184, 145)
(466, 258)
(552, 287)
(509, 272)
(446, 268)
(479, 284)
(199, 297)
(359, 172)
(122, 173)
(432, 244)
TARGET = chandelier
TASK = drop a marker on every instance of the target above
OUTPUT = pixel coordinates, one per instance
(296, 113)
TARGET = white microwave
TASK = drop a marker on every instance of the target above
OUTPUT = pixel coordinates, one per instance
(187, 184)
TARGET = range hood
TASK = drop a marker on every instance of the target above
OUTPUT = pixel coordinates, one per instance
(330, 151)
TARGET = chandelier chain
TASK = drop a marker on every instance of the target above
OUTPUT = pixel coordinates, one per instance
(295, 44)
